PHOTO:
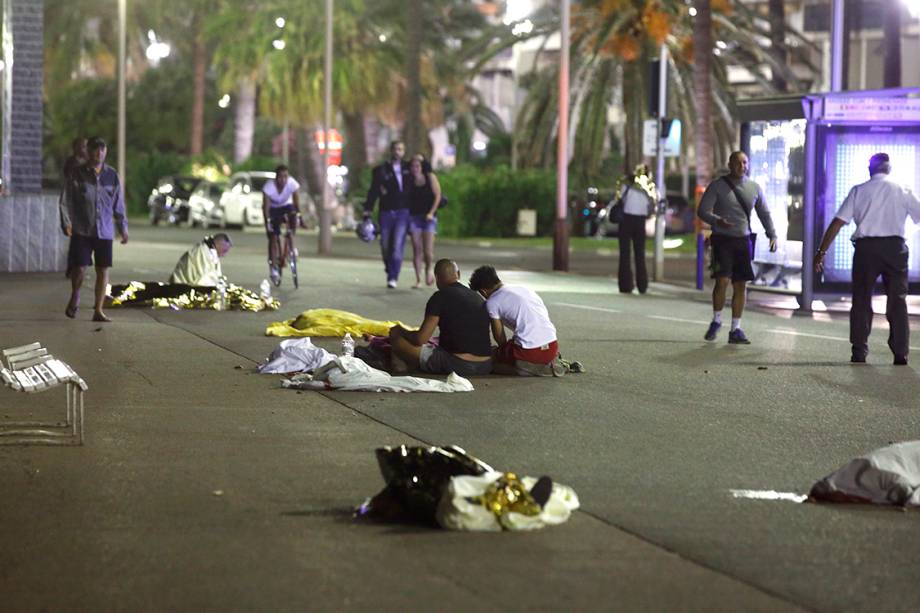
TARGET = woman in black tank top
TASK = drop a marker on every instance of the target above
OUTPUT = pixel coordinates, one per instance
(424, 199)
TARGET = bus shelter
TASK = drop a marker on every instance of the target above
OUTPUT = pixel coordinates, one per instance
(807, 152)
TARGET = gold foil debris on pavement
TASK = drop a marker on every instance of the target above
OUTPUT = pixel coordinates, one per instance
(508, 495)
(236, 297)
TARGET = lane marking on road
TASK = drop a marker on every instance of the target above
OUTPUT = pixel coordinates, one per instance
(808, 334)
(821, 336)
(685, 321)
(587, 308)
(768, 495)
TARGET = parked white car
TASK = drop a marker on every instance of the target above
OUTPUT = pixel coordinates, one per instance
(204, 206)
(242, 203)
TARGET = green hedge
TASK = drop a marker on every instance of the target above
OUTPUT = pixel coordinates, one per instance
(485, 201)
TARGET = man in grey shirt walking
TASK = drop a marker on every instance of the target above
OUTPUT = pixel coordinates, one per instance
(726, 206)
(91, 207)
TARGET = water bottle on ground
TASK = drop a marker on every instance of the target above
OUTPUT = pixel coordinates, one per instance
(348, 345)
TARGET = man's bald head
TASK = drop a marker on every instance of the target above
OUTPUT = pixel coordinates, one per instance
(446, 272)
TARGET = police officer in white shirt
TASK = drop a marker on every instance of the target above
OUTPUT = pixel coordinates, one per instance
(880, 208)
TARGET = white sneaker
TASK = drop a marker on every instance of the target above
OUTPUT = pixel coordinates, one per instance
(391, 284)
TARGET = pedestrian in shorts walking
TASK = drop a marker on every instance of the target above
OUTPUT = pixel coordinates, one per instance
(91, 210)
(726, 206)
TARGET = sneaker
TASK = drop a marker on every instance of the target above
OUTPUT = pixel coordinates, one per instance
(737, 337)
(275, 276)
(391, 284)
(858, 357)
(900, 360)
(713, 330)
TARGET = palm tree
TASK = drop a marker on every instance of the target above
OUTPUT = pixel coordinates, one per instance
(614, 41)
(702, 71)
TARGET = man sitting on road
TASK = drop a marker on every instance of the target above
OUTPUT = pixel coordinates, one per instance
(533, 349)
(459, 312)
(200, 265)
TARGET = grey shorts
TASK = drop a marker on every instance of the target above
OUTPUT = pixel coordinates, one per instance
(438, 361)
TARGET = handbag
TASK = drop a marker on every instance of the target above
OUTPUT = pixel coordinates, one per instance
(616, 211)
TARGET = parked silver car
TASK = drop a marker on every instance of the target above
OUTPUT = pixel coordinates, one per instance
(204, 205)
(242, 202)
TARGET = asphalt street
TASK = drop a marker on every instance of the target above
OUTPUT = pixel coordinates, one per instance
(203, 486)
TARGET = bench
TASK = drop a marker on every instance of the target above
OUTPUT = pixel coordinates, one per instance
(31, 369)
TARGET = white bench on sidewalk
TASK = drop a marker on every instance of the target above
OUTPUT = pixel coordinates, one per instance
(32, 369)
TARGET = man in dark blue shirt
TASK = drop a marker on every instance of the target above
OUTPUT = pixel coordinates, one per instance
(464, 346)
(390, 185)
(91, 208)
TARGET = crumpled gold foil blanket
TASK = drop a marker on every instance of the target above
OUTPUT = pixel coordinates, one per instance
(508, 495)
(237, 298)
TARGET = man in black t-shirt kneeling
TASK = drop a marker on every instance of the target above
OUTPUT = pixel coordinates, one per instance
(464, 346)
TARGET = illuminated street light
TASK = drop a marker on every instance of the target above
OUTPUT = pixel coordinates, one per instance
(382, 38)
(522, 28)
(516, 10)
(278, 44)
(692, 11)
(157, 50)
(280, 22)
(224, 101)
(913, 7)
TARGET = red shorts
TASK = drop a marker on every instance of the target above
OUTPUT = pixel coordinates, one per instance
(509, 352)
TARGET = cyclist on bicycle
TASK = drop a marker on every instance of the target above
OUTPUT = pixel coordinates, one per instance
(280, 204)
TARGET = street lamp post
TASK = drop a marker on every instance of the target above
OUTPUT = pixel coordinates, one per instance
(561, 229)
(122, 145)
(661, 204)
(325, 230)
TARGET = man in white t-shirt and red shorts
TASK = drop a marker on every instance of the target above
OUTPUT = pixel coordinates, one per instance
(280, 204)
(534, 343)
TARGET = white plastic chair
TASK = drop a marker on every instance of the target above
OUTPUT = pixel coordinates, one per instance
(31, 369)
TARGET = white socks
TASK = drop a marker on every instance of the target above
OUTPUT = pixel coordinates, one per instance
(736, 323)
(717, 317)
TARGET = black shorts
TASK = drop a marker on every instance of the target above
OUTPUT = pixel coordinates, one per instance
(278, 215)
(87, 250)
(731, 257)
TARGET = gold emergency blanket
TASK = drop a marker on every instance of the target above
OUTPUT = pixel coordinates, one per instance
(331, 322)
(178, 296)
(508, 495)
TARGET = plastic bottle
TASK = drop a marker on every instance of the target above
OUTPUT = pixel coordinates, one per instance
(348, 345)
(222, 299)
(265, 291)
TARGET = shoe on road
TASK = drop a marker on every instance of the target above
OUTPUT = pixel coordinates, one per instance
(737, 337)
(900, 360)
(859, 357)
(391, 284)
(712, 331)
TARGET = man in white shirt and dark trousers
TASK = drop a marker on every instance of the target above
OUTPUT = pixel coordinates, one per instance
(636, 205)
(880, 208)
(726, 206)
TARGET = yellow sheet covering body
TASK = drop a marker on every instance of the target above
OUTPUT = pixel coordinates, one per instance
(331, 322)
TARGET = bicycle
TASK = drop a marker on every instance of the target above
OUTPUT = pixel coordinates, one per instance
(287, 256)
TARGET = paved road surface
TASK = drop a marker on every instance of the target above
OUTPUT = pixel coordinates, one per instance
(654, 438)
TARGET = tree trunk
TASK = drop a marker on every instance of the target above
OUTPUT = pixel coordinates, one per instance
(354, 154)
(634, 108)
(244, 120)
(313, 171)
(892, 43)
(414, 133)
(778, 40)
(200, 64)
(702, 91)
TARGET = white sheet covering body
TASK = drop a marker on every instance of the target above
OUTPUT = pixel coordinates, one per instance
(351, 374)
(458, 510)
(200, 265)
(295, 355)
(890, 475)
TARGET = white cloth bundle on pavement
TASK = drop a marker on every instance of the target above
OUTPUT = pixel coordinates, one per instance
(200, 265)
(352, 374)
(459, 510)
(295, 355)
(890, 475)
